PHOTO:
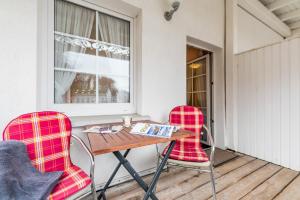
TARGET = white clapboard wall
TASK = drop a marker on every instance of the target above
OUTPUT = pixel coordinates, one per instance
(268, 103)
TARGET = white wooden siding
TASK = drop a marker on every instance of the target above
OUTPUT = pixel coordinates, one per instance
(268, 103)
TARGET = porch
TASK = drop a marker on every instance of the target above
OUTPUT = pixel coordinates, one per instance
(97, 62)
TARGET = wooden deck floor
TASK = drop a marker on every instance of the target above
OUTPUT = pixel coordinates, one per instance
(242, 178)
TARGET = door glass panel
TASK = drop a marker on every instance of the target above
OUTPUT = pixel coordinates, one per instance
(199, 99)
(189, 98)
(189, 85)
(199, 83)
(189, 71)
(200, 68)
(197, 94)
(204, 112)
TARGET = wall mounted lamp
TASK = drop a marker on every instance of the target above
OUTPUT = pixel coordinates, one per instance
(174, 7)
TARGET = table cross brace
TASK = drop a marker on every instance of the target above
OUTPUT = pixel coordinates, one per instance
(148, 189)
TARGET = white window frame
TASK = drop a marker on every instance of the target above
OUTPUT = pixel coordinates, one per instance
(96, 108)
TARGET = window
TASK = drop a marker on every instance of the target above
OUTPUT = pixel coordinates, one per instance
(92, 68)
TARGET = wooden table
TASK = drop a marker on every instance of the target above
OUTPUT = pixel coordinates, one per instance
(124, 140)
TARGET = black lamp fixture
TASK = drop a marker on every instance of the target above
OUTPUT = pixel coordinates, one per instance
(174, 7)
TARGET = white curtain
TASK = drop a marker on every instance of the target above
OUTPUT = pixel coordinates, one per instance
(75, 20)
(116, 31)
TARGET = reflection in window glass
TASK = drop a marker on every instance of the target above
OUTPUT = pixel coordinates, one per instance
(200, 69)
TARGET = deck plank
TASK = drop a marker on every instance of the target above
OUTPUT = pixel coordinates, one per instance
(247, 184)
(181, 183)
(204, 192)
(273, 186)
(164, 182)
(291, 191)
(120, 189)
(180, 189)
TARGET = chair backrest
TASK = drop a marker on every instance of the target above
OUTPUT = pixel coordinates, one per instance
(188, 118)
(46, 136)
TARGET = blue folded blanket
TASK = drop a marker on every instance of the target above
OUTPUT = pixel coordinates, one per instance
(18, 178)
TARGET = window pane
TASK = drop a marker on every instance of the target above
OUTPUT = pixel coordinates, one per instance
(200, 67)
(189, 71)
(113, 90)
(115, 33)
(77, 88)
(113, 61)
(83, 89)
(73, 29)
(204, 112)
(199, 83)
(200, 99)
(189, 85)
(189, 97)
(74, 20)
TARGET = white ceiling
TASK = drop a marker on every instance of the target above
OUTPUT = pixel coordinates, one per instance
(288, 11)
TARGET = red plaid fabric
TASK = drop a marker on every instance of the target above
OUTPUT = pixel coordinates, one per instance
(188, 149)
(47, 137)
(72, 180)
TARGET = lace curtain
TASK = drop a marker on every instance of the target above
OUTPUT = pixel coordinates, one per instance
(75, 20)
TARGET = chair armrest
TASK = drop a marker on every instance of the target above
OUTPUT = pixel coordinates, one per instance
(91, 157)
(212, 143)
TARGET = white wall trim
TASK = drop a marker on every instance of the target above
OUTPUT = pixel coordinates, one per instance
(218, 95)
(287, 39)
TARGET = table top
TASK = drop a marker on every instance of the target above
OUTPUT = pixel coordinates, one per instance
(123, 140)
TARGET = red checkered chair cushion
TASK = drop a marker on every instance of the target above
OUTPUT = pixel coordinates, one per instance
(47, 137)
(188, 149)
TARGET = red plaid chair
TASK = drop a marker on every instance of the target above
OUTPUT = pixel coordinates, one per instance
(188, 152)
(47, 137)
(188, 149)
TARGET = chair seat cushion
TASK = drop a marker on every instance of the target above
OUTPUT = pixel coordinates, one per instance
(72, 181)
(188, 153)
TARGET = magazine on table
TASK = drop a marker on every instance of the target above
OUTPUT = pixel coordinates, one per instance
(155, 130)
(104, 129)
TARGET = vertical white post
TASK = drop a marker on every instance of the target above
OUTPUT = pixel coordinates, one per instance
(231, 136)
(97, 76)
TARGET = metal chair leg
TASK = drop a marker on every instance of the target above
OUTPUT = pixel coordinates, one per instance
(213, 184)
(94, 190)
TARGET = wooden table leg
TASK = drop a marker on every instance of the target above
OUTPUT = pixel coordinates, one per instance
(148, 189)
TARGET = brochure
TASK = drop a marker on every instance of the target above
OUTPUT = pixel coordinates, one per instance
(156, 130)
(104, 129)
